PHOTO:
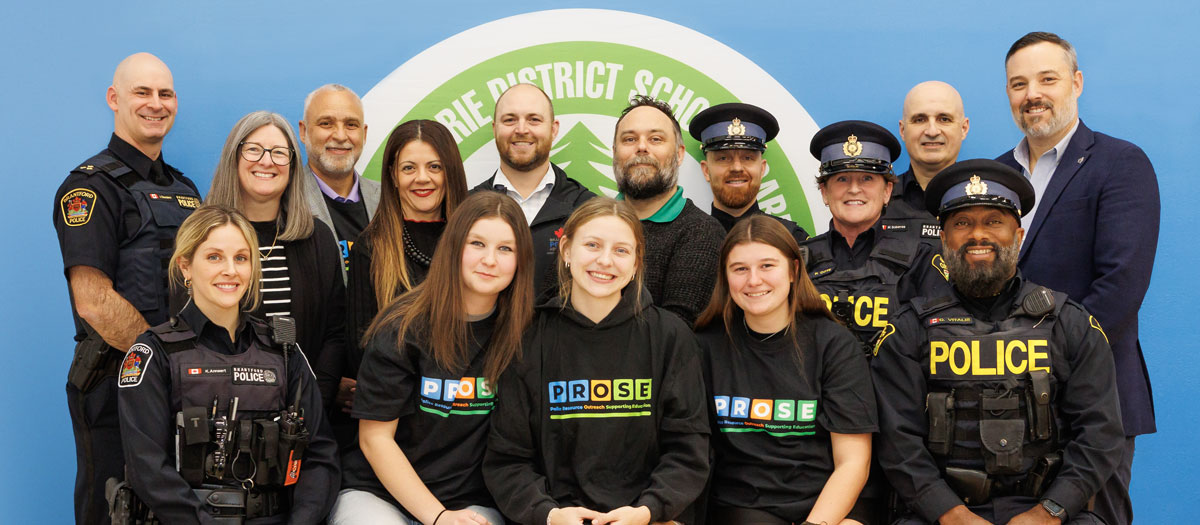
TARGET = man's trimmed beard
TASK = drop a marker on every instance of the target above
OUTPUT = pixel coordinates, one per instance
(641, 182)
(983, 279)
(736, 198)
(329, 165)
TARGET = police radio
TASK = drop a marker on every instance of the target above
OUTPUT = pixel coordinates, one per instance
(293, 435)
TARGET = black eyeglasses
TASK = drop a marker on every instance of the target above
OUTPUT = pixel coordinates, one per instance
(252, 152)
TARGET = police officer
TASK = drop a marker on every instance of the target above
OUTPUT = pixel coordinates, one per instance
(116, 216)
(221, 415)
(864, 266)
(995, 400)
(932, 126)
(733, 137)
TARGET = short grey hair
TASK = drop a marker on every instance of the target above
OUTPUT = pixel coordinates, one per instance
(327, 87)
(295, 218)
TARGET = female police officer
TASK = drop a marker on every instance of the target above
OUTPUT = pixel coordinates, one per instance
(217, 416)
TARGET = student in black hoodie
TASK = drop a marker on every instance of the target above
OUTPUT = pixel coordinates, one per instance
(424, 401)
(603, 419)
(792, 404)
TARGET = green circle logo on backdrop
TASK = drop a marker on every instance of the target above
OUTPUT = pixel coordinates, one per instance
(590, 62)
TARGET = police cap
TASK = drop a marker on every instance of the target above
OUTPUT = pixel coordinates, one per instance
(978, 182)
(854, 145)
(734, 126)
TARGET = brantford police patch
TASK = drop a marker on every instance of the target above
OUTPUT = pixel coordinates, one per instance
(134, 365)
(77, 206)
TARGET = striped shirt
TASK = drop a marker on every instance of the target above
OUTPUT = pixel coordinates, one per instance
(276, 284)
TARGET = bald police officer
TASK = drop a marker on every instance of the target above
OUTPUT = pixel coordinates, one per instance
(995, 400)
(116, 216)
(733, 137)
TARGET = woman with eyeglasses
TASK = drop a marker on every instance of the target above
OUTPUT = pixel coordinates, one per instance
(260, 174)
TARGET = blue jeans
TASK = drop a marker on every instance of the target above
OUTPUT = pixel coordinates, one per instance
(359, 506)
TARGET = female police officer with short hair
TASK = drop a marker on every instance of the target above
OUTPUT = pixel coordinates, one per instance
(217, 415)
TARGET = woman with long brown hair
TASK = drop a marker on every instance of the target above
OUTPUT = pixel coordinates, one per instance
(422, 182)
(425, 391)
(792, 404)
(603, 418)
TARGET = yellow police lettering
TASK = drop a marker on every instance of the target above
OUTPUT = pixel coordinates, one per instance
(1035, 355)
(977, 368)
(879, 317)
(828, 302)
(976, 358)
(1009, 351)
(939, 352)
(966, 361)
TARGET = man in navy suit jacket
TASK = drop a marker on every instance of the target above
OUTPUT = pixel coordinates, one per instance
(1094, 229)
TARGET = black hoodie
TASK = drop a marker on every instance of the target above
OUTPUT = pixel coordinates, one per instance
(600, 415)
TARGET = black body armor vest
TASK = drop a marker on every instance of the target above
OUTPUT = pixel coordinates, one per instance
(863, 298)
(145, 253)
(234, 426)
(991, 388)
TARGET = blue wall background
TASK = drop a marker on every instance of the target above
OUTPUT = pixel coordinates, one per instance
(841, 60)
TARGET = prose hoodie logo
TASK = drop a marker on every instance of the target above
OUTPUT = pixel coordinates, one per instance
(590, 62)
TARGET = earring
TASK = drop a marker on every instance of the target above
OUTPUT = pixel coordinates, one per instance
(568, 265)
(187, 283)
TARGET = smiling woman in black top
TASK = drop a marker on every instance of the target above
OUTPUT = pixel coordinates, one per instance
(603, 418)
(792, 405)
(425, 391)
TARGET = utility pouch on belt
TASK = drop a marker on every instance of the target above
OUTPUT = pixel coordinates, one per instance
(226, 505)
(193, 432)
(293, 440)
(1038, 405)
(1042, 474)
(266, 453)
(973, 486)
(93, 361)
(1001, 438)
(940, 407)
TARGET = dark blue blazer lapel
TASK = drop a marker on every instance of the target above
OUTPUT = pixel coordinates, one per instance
(1072, 160)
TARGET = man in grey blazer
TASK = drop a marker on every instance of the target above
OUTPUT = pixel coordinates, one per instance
(333, 131)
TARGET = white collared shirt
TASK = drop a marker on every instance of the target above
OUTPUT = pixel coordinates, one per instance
(1040, 177)
(532, 204)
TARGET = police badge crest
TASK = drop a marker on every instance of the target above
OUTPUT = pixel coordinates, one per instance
(852, 147)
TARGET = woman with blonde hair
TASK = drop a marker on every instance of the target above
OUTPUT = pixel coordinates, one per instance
(206, 399)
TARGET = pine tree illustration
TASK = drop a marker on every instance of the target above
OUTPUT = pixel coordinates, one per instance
(586, 159)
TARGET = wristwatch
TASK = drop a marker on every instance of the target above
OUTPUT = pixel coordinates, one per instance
(1054, 509)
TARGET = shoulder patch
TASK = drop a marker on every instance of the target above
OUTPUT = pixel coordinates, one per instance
(887, 330)
(134, 365)
(939, 264)
(1096, 324)
(77, 205)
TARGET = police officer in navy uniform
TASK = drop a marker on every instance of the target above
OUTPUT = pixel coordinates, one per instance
(995, 400)
(116, 216)
(733, 137)
(932, 126)
(864, 266)
(221, 413)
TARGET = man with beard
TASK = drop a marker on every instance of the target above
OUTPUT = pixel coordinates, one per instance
(682, 242)
(733, 137)
(524, 128)
(995, 401)
(333, 131)
(1095, 229)
(932, 126)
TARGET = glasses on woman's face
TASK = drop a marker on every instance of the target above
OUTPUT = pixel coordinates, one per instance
(252, 152)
